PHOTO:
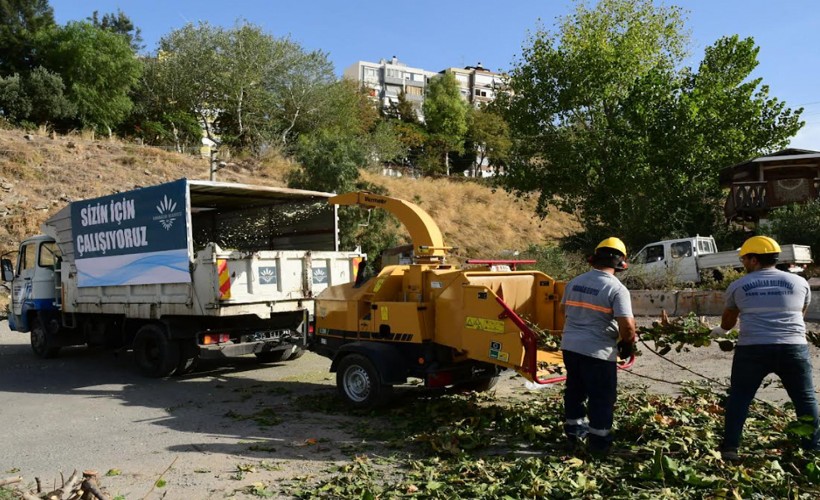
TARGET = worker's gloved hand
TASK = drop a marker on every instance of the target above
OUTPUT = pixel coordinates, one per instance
(625, 349)
(718, 332)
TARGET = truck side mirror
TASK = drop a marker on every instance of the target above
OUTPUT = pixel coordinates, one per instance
(6, 270)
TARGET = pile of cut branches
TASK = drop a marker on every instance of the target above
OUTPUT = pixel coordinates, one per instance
(682, 333)
(79, 486)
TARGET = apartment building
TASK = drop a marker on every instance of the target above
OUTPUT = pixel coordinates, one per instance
(477, 84)
(386, 79)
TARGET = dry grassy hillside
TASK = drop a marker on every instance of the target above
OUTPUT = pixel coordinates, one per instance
(40, 173)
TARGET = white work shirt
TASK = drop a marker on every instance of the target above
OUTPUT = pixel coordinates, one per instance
(771, 304)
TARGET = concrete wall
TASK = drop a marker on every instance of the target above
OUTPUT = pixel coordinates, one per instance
(701, 302)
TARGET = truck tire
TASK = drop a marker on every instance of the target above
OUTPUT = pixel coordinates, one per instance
(41, 342)
(297, 353)
(359, 384)
(188, 356)
(156, 356)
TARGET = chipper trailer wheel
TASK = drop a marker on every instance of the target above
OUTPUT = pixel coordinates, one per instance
(358, 382)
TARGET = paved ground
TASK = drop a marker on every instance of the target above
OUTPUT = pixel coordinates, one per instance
(89, 409)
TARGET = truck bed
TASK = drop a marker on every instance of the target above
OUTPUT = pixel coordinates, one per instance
(789, 254)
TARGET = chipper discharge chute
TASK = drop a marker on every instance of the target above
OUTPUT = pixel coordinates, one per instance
(448, 327)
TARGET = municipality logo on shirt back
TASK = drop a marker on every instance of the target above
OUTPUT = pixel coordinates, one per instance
(166, 216)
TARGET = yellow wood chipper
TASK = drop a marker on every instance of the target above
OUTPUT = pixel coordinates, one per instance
(448, 327)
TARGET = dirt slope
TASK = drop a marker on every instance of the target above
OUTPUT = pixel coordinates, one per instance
(40, 173)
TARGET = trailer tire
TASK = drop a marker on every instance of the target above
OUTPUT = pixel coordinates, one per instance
(477, 385)
(359, 383)
(273, 356)
(41, 342)
(155, 354)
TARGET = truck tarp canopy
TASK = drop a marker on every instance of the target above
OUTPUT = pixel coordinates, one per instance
(250, 218)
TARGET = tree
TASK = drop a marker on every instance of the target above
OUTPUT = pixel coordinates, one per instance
(35, 98)
(445, 113)
(247, 88)
(298, 86)
(488, 136)
(98, 68)
(610, 124)
(121, 24)
(402, 110)
(21, 22)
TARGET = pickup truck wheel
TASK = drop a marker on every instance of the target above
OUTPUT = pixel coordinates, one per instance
(156, 356)
(41, 342)
(357, 381)
(297, 353)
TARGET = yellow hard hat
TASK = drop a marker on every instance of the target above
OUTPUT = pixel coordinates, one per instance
(613, 243)
(759, 245)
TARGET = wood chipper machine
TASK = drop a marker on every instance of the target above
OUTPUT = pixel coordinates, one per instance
(449, 327)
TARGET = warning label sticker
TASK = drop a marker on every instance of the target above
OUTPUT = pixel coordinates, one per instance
(485, 324)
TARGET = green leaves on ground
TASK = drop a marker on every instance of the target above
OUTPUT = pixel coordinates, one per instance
(666, 447)
(681, 333)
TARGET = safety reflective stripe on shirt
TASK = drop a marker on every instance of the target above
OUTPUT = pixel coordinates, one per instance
(587, 305)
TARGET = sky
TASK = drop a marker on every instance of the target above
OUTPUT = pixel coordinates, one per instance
(437, 34)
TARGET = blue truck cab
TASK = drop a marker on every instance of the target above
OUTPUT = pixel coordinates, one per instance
(34, 282)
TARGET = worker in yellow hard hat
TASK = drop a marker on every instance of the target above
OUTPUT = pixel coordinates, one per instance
(598, 328)
(770, 304)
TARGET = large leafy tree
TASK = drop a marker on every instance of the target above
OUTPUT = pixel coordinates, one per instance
(247, 88)
(610, 124)
(445, 113)
(35, 98)
(21, 22)
(98, 68)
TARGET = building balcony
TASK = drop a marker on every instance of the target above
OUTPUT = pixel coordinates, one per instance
(754, 200)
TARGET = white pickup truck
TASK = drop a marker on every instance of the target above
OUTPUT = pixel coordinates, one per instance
(686, 259)
(180, 271)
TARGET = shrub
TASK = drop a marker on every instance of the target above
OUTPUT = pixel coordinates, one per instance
(796, 223)
(555, 262)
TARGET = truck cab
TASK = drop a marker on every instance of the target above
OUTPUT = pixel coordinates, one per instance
(678, 257)
(33, 281)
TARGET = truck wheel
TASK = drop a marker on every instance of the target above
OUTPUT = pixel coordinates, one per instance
(357, 381)
(156, 356)
(477, 385)
(297, 353)
(188, 357)
(41, 342)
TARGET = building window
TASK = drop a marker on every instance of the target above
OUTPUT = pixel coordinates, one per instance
(371, 75)
(480, 93)
(395, 73)
(413, 91)
(418, 77)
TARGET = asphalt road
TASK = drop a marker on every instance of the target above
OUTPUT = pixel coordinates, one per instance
(90, 409)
